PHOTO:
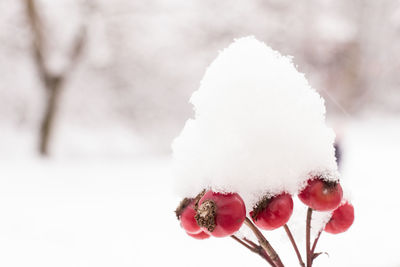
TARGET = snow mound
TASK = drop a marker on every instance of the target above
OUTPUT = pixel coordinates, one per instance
(259, 127)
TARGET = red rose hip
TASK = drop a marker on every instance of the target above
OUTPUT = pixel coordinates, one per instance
(188, 221)
(341, 220)
(202, 235)
(272, 213)
(185, 213)
(321, 195)
(220, 214)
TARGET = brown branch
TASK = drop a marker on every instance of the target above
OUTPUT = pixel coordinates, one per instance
(243, 243)
(39, 47)
(251, 242)
(76, 50)
(313, 255)
(255, 248)
(264, 243)
(296, 249)
(308, 232)
(37, 40)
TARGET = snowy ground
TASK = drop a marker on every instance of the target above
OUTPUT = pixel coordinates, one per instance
(119, 212)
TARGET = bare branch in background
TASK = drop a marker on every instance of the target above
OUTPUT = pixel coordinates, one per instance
(53, 83)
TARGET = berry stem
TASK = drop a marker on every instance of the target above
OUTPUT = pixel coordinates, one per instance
(308, 232)
(314, 246)
(251, 243)
(296, 249)
(243, 243)
(254, 248)
(264, 243)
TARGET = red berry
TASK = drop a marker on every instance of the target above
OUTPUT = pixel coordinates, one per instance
(188, 222)
(341, 220)
(220, 214)
(321, 195)
(201, 235)
(273, 212)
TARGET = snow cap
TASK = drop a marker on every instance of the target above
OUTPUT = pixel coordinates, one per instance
(259, 127)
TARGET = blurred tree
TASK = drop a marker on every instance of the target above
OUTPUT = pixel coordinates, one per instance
(52, 82)
(143, 59)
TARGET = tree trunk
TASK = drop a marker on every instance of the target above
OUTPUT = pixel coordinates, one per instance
(47, 123)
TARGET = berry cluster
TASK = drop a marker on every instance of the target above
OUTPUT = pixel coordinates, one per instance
(222, 214)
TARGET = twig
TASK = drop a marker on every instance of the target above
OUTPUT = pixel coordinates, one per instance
(254, 248)
(308, 230)
(296, 249)
(243, 243)
(314, 246)
(264, 243)
(251, 242)
(38, 40)
(261, 250)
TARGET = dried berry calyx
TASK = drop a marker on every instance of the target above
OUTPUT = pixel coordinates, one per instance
(205, 215)
(198, 197)
(259, 207)
(182, 206)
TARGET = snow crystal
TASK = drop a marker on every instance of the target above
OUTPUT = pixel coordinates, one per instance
(259, 127)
